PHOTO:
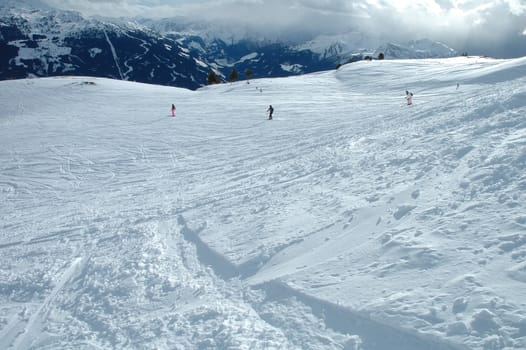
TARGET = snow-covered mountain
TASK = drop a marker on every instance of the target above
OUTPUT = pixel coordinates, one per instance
(47, 42)
(417, 49)
(40, 41)
(225, 49)
(350, 221)
(263, 59)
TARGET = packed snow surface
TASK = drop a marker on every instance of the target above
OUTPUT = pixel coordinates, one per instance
(350, 221)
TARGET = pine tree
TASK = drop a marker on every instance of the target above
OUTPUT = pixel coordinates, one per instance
(248, 74)
(233, 76)
(213, 78)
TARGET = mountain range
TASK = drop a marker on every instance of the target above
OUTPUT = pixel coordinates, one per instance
(40, 42)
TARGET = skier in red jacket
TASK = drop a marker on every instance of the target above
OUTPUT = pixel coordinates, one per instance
(409, 97)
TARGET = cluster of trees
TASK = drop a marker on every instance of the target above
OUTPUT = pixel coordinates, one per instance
(213, 78)
(380, 57)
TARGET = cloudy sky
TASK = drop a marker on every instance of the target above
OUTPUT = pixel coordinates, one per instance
(491, 27)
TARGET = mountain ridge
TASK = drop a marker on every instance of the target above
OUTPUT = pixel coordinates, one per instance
(38, 42)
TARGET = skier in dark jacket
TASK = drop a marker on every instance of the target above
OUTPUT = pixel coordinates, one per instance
(270, 110)
(173, 110)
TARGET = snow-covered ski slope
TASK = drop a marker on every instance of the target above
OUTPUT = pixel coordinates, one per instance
(350, 221)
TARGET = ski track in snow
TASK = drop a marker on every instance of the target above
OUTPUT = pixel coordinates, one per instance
(350, 221)
(114, 53)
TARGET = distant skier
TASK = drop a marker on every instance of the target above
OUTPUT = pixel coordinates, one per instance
(270, 110)
(409, 97)
(173, 110)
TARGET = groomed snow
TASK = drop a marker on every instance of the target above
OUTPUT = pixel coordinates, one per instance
(350, 221)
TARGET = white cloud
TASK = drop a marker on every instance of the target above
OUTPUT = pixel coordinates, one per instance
(517, 7)
(457, 22)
